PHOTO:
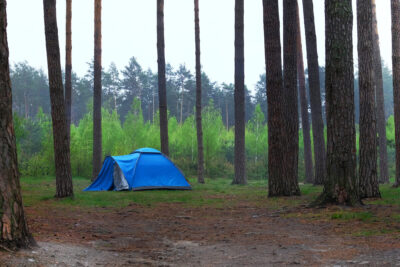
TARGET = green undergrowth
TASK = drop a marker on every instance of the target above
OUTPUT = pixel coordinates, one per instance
(377, 232)
(390, 196)
(349, 215)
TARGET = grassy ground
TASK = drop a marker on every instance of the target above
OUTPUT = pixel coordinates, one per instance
(219, 193)
(215, 192)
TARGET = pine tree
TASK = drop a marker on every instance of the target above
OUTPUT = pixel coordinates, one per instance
(240, 151)
(369, 184)
(162, 87)
(97, 92)
(395, 8)
(304, 108)
(315, 93)
(291, 111)
(341, 185)
(14, 233)
(277, 176)
(68, 65)
(380, 101)
(64, 186)
(200, 153)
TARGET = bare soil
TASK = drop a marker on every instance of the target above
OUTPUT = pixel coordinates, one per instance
(177, 235)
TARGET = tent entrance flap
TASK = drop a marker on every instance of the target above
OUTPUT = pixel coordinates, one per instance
(120, 182)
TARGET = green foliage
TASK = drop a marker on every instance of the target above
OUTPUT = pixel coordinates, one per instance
(257, 145)
(36, 152)
(35, 143)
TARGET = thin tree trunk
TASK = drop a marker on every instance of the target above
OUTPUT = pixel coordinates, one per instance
(395, 8)
(97, 92)
(14, 233)
(291, 110)
(162, 89)
(276, 129)
(181, 118)
(341, 185)
(68, 66)
(26, 106)
(315, 93)
(304, 108)
(61, 145)
(200, 153)
(152, 118)
(240, 151)
(380, 101)
(227, 115)
(369, 184)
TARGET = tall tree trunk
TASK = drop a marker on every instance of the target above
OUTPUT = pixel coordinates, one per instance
(341, 185)
(97, 92)
(61, 144)
(152, 117)
(380, 101)
(227, 115)
(369, 185)
(26, 106)
(277, 185)
(181, 117)
(200, 153)
(240, 151)
(162, 88)
(291, 110)
(315, 93)
(14, 233)
(395, 8)
(68, 66)
(304, 108)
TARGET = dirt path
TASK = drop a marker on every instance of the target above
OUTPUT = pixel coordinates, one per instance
(175, 235)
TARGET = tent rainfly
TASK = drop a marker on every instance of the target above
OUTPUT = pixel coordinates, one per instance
(145, 168)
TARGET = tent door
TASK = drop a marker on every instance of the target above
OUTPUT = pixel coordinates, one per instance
(120, 182)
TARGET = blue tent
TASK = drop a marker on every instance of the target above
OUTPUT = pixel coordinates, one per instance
(146, 168)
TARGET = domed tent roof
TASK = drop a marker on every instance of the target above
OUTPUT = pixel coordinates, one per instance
(145, 168)
(146, 150)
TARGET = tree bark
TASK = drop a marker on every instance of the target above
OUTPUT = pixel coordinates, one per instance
(200, 153)
(97, 92)
(291, 110)
(380, 101)
(395, 9)
(227, 115)
(304, 108)
(64, 186)
(240, 151)
(315, 93)
(14, 233)
(182, 96)
(369, 185)
(162, 89)
(26, 106)
(68, 66)
(341, 185)
(277, 180)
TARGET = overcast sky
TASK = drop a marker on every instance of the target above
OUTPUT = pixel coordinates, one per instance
(129, 29)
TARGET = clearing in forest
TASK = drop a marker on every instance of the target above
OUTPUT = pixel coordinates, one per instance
(214, 224)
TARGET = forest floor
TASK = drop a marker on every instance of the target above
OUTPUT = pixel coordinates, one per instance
(213, 225)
